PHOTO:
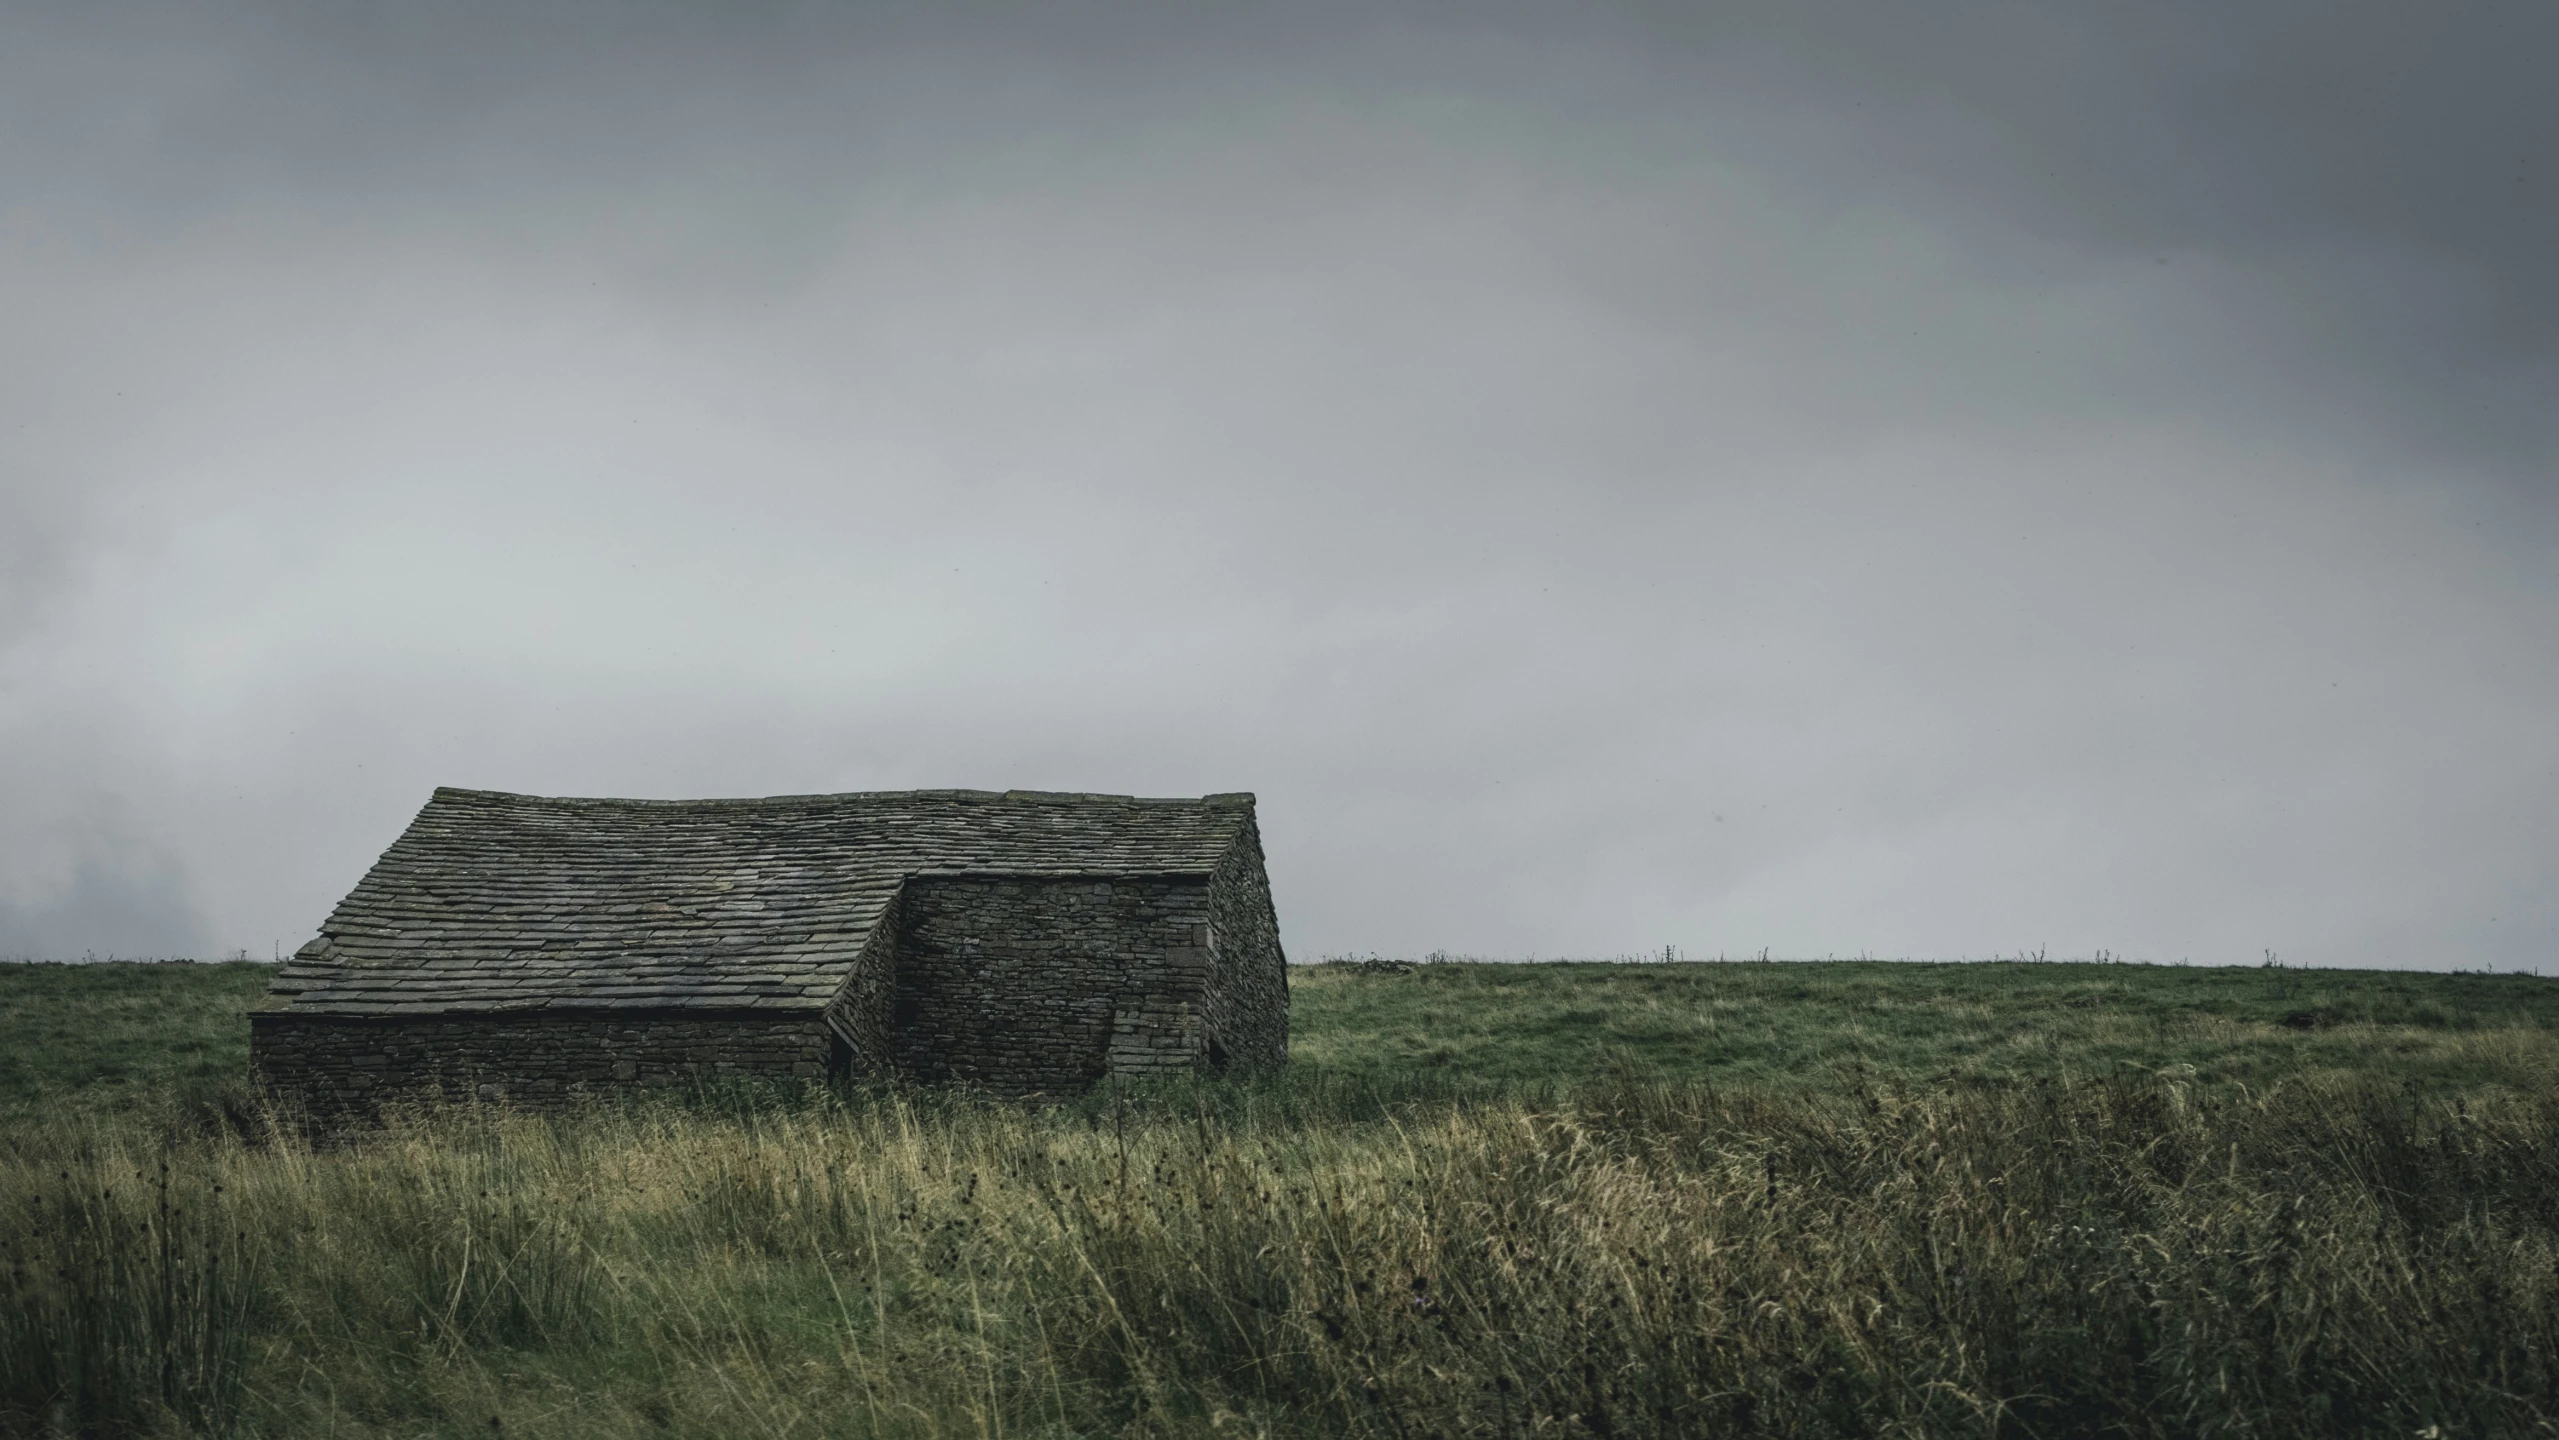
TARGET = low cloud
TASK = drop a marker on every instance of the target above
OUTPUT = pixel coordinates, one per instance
(109, 907)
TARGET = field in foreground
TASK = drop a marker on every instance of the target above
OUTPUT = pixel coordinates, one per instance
(1606, 1201)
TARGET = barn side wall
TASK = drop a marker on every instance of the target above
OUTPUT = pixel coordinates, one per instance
(1049, 983)
(1248, 981)
(333, 1066)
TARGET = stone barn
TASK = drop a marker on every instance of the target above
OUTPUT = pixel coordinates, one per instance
(528, 948)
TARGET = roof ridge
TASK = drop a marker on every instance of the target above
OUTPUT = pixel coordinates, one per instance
(1221, 799)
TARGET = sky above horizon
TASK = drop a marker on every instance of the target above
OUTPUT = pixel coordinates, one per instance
(1822, 477)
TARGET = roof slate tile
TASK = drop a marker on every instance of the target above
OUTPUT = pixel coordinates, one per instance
(495, 901)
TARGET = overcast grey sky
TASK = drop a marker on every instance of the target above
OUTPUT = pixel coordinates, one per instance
(1925, 480)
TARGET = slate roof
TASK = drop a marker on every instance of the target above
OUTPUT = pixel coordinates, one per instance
(492, 901)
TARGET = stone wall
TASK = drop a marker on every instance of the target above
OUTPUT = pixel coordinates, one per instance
(1248, 986)
(335, 1066)
(1049, 983)
(859, 1013)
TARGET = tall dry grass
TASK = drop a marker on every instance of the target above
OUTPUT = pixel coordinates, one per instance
(2115, 1258)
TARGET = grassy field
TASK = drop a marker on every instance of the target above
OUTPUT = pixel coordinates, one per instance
(1558, 1200)
(110, 1037)
(1836, 1026)
(90, 1038)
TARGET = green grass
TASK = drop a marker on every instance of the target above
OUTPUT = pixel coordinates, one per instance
(1838, 1025)
(1592, 1201)
(117, 1037)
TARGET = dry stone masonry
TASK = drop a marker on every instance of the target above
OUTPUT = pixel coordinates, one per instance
(534, 949)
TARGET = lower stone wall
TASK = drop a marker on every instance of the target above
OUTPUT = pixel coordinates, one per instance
(1248, 990)
(859, 1013)
(1048, 983)
(333, 1066)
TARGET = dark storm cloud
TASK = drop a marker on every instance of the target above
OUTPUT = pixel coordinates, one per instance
(1815, 475)
(2383, 173)
(2369, 184)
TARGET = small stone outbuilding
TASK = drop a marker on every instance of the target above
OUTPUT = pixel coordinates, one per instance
(531, 948)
